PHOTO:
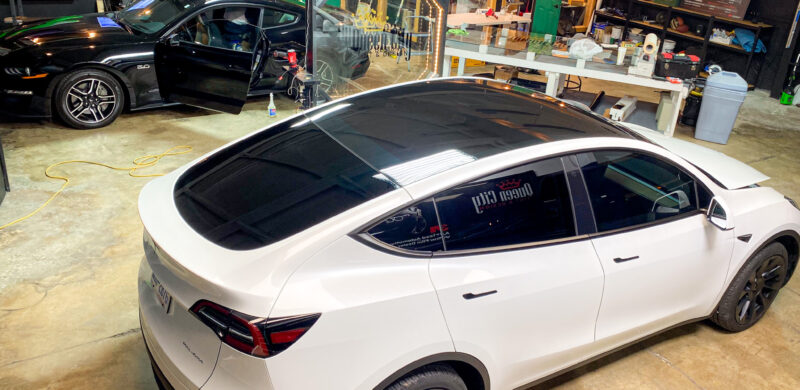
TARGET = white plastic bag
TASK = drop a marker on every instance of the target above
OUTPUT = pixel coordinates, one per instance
(584, 49)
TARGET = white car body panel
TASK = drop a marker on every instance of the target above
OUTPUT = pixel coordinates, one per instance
(513, 331)
(185, 349)
(762, 212)
(556, 306)
(731, 172)
(681, 266)
(236, 370)
(380, 313)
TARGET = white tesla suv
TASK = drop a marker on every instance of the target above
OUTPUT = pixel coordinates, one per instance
(450, 234)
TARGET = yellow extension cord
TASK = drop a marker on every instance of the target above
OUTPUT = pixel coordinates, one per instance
(138, 163)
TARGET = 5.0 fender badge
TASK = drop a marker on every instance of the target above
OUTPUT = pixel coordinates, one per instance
(142, 67)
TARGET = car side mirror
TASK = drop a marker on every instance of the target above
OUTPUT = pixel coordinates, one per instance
(717, 215)
(173, 40)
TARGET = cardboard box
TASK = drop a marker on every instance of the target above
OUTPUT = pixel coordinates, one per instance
(470, 62)
(734, 9)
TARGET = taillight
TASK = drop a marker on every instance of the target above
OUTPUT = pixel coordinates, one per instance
(261, 337)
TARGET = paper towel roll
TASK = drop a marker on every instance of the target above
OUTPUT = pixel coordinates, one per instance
(650, 44)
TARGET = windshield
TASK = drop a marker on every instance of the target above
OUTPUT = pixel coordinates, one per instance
(150, 16)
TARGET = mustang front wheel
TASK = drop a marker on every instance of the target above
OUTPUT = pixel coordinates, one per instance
(753, 289)
(88, 99)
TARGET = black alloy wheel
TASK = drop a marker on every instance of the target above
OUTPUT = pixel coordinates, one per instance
(327, 73)
(761, 289)
(753, 289)
(88, 99)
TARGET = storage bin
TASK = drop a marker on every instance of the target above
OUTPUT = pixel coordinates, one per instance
(722, 98)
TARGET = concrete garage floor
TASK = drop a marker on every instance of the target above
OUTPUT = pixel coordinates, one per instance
(68, 305)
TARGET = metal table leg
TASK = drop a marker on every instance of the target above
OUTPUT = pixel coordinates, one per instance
(462, 63)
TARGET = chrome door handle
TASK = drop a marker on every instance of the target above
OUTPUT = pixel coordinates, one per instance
(478, 295)
(622, 260)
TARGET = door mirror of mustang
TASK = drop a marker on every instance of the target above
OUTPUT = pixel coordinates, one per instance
(173, 40)
(718, 216)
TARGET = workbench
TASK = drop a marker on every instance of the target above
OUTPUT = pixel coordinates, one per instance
(557, 69)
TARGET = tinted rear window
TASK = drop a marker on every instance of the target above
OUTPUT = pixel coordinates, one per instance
(272, 185)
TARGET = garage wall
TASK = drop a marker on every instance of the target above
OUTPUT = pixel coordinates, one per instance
(778, 13)
(50, 8)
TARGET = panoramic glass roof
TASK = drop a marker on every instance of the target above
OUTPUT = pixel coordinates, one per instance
(291, 176)
(417, 130)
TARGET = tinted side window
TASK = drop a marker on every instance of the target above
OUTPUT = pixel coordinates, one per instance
(230, 28)
(275, 18)
(412, 228)
(521, 205)
(628, 188)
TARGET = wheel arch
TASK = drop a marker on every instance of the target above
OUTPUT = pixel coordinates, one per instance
(469, 368)
(791, 241)
(130, 94)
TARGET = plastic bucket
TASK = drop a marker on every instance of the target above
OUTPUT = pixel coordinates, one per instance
(718, 114)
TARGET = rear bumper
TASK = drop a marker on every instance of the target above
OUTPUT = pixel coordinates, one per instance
(161, 380)
(165, 372)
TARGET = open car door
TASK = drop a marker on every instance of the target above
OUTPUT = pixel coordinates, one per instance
(209, 63)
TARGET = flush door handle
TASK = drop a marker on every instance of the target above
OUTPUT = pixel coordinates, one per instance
(624, 259)
(469, 296)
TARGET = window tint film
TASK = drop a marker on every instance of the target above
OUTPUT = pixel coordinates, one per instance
(272, 185)
(412, 228)
(229, 28)
(414, 131)
(627, 188)
(275, 18)
(521, 205)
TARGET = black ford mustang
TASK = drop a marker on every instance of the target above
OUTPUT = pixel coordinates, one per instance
(87, 69)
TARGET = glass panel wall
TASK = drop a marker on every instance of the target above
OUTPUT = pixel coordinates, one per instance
(360, 45)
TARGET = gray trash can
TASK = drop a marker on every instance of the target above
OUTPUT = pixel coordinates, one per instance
(722, 98)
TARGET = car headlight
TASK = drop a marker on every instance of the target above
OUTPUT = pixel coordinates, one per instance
(20, 71)
(792, 202)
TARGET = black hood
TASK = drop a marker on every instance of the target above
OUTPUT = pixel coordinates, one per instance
(89, 29)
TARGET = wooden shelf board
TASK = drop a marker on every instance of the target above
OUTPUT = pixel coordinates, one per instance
(686, 35)
(728, 46)
(610, 16)
(648, 24)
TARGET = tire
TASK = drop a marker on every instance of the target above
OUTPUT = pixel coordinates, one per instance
(753, 289)
(89, 99)
(435, 376)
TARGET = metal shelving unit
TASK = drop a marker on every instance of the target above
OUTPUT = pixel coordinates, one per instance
(665, 30)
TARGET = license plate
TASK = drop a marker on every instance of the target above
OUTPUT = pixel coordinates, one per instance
(162, 294)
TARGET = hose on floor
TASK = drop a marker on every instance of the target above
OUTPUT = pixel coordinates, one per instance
(142, 162)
